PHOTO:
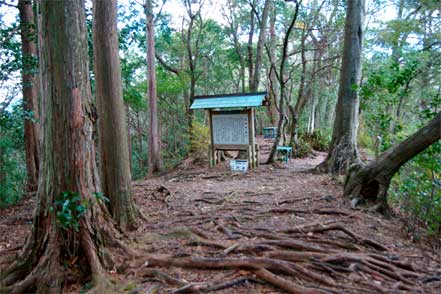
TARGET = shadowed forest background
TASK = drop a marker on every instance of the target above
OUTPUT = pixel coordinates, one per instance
(154, 62)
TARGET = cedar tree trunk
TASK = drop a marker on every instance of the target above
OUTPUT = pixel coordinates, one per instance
(30, 90)
(114, 150)
(59, 250)
(371, 182)
(154, 132)
(343, 149)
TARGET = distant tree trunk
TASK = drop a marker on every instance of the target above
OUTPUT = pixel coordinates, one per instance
(129, 135)
(193, 54)
(57, 250)
(274, 89)
(282, 81)
(297, 110)
(30, 91)
(250, 47)
(260, 46)
(139, 131)
(154, 132)
(114, 150)
(370, 182)
(343, 148)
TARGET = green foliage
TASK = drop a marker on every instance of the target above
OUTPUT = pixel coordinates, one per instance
(200, 139)
(69, 208)
(417, 190)
(12, 156)
(317, 140)
(301, 148)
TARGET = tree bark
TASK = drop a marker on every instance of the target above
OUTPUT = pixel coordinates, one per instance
(274, 89)
(55, 250)
(343, 148)
(114, 150)
(154, 131)
(260, 47)
(370, 182)
(250, 47)
(30, 91)
(282, 81)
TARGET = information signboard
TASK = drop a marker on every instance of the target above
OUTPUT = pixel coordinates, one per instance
(230, 129)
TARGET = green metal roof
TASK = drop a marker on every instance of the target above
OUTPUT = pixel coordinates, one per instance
(229, 101)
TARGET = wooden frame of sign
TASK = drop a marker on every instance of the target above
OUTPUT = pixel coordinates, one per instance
(234, 131)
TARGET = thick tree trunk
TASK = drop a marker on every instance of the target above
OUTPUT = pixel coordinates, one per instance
(154, 132)
(30, 90)
(114, 150)
(58, 247)
(343, 150)
(370, 182)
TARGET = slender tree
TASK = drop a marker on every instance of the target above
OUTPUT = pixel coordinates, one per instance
(282, 82)
(260, 46)
(30, 90)
(72, 231)
(154, 131)
(114, 150)
(343, 149)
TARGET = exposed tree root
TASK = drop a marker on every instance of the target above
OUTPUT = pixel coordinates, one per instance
(292, 260)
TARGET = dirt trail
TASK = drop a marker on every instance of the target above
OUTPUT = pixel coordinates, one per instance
(275, 229)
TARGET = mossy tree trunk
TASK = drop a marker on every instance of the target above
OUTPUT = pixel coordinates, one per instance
(113, 144)
(343, 149)
(370, 182)
(30, 90)
(58, 249)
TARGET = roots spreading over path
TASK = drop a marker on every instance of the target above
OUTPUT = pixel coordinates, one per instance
(319, 257)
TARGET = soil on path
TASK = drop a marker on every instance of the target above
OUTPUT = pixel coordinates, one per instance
(273, 228)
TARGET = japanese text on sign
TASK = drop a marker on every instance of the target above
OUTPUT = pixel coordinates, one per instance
(230, 129)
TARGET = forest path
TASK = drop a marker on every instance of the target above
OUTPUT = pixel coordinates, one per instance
(196, 212)
(275, 227)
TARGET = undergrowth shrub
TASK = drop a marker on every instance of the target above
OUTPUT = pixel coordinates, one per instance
(301, 148)
(317, 140)
(199, 139)
(416, 190)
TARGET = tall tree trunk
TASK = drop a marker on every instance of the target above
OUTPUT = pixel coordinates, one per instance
(343, 148)
(129, 135)
(282, 118)
(370, 182)
(154, 132)
(58, 247)
(297, 110)
(260, 47)
(30, 90)
(274, 85)
(114, 150)
(139, 131)
(250, 47)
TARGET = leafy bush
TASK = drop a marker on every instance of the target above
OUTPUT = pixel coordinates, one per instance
(301, 149)
(416, 189)
(316, 140)
(199, 139)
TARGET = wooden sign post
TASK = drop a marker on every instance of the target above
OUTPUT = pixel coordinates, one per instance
(232, 130)
(231, 122)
